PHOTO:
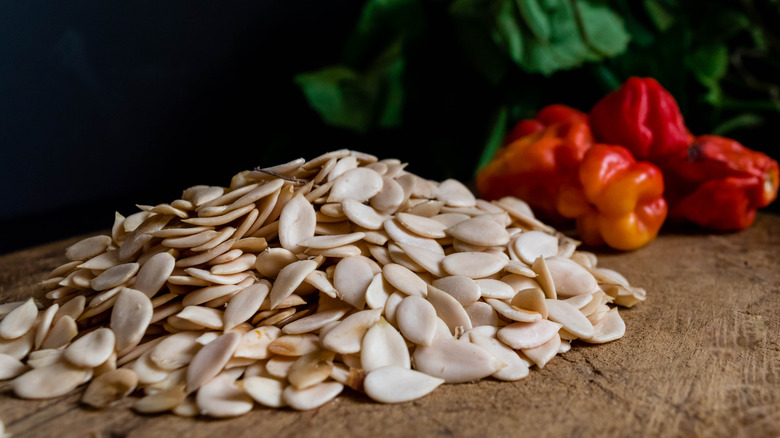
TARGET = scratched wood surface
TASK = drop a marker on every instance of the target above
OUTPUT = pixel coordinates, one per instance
(700, 358)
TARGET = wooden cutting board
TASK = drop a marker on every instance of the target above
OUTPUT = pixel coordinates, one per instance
(700, 358)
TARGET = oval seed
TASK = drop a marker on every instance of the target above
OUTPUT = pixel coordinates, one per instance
(429, 260)
(531, 299)
(313, 322)
(490, 288)
(384, 346)
(397, 385)
(455, 361)
(449, 310)
(311, 369)
(51, 381)
(311, 397)
(569, 277)
(533, 244)
(294, 345)
(222, 398)
(390, 197)
(417, 320)
(516, 367)
(175, 351)
(264, 390)
(130, 317)
(572, 319)
(481, 313)
(92, 349)
(462, 288)
(520, 335)
(161, 401)
(609, 328)
(114, 276)
(254, 343)
(296, 223)
(510, 312)
(473, 264)
(479, 231)
(109, 388)
(347, 335)
(543, 353)
(210, 360)
(351, 278)
(332, 241)
(244, 304)
(61, 333)
(404, 280)
(19, 321)
(362, 215)
(423, 226)
(10, 367)
(289, 278)
(360, 184)
(153, 274)
(454, 194)
(87, 248)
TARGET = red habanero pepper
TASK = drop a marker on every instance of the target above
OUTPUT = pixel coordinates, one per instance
(642, 116)
(534, 167)
(718, 183)
(549, 115)
(617, 200)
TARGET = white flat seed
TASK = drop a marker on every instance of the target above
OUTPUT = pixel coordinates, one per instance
(202, 316)
(319, 280)
(296, 223)
(531, 299)
(479, 231)
(362, 215)
(109, 387)
(240, 264)
(516, 367)
(175, 351)
(609, 328)
(423, 226)
(473, 264)
(223, 398)
(542, 354)
(342, 165)
(114, 276)
(311, 369)
(429, 260)
(510, 312)
(147, 371)
(190, 240)
(391, 306)
(210, 360)
(455, 194)
(102, 261)
(449, 310)
(10, 367)
(87, 248)
(313, 322)
(572, 319)
(222, 235)
(462, 288)
(397, 385)
(63, 331)
(332, 241)
(257, 194)
(520, 335)
(19, 347)
(200, 195)
(52, 381)
(213, 221)
(404, 280)
(401, 235)
(544, 278)
(360, 184)
(455, 361)
(579, 301)
(490, 288)
(294, 345)
(351, 278)
(272, 260)
(398, 255)
(264, 390)
(532, 244)
(161, 401)
(347, 335)
(569, 277)
(92, 349)
(130, 317)
(279, 366)
(384, 346)
(208, 293)
(153, 274)
(390, 197)
(313, 396)
(254, 344)
(19, 321)
(289, 278)
(481, 313)
(179, 231)
(244, 304)
(378, 291)
(207, 276)
(7, 308)
(417, 320)
(226, 257)
(206, 256)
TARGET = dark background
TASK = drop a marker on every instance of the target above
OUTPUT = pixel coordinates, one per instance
(107, 104)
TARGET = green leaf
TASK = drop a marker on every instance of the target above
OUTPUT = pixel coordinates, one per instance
(536, 19)
(603, 29)
(381, 23)
(747, 120)
(358, 101)
(659, 13)
(709, 65)
(495, 138)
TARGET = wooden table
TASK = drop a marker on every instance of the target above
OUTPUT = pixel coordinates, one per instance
(701, 357)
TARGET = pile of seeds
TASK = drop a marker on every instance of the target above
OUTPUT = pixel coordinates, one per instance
(300, 279)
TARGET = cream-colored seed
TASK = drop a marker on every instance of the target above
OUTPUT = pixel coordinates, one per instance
(19, 321)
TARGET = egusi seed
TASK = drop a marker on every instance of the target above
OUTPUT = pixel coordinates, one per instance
(297, 280)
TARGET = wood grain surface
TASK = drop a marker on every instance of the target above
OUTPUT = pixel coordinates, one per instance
(700, 358)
